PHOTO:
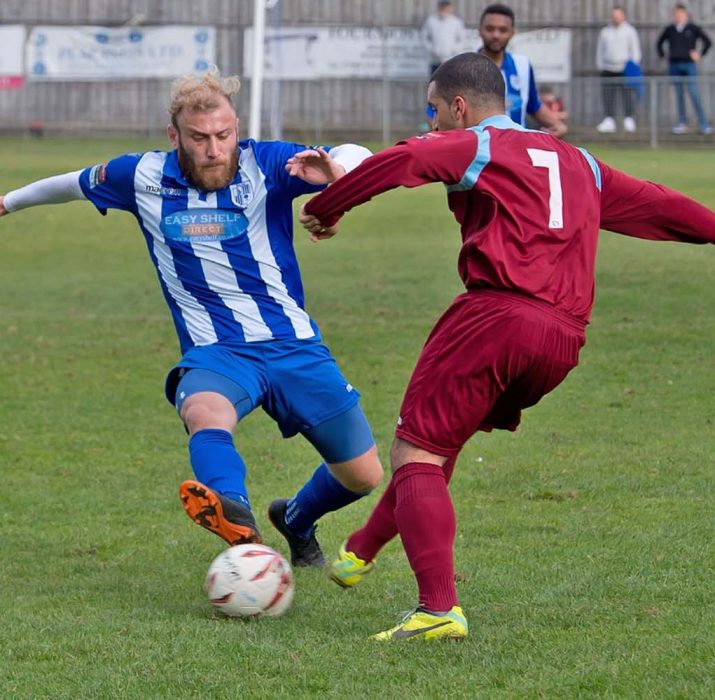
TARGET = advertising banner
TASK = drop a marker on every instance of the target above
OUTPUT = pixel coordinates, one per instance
(12, 47)
(310, 53)
(101, 53)
(307, 53)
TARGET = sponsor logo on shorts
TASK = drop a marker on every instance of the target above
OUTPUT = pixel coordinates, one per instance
(349, 387)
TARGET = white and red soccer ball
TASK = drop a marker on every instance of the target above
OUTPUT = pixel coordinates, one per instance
(250, 580)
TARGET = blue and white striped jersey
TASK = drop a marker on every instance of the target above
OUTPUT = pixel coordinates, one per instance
(225, 259)
(521, 96)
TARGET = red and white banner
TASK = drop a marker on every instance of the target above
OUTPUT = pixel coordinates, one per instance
(12, 50)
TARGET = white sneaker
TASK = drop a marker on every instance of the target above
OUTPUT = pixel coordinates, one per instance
(680, 128)
(629, 124)
(706, 130)
(607, 126)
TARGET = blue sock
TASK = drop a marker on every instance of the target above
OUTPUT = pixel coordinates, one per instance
(321, 494)
(217, 464)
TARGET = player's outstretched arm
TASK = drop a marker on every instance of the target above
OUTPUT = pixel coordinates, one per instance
(437, 157)
(317, 166)
(51, 190)
(648, 210)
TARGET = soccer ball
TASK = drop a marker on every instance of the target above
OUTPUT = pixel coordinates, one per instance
(250, 580)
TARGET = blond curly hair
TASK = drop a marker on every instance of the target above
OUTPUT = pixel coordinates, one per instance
(201, 93)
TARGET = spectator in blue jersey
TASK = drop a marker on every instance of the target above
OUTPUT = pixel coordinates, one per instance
(496, 28)
(216, 214)
(682, 38)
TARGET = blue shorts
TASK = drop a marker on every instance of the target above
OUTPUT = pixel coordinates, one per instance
(296, 382)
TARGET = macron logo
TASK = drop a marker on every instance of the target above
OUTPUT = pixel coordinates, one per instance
(349, 387)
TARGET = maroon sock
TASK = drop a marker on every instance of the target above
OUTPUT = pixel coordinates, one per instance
(425, 519)
(379, 529)
(381, 526)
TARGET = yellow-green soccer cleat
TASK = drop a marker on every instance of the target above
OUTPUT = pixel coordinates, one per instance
(348, 569)
(420, 624)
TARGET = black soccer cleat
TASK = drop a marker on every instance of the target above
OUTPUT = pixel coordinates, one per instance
(304, 551)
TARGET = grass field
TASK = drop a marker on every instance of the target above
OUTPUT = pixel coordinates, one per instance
(584, 547)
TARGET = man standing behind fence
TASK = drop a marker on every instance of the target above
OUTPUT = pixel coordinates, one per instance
(683, 57)
(496, 28)
(618, 46)
(443, 34)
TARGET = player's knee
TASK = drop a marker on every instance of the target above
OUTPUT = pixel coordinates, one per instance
(403, 452)
(370, 478)
(360, 475)
(201, 415)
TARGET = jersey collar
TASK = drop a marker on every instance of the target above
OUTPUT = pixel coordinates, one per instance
(499, 121)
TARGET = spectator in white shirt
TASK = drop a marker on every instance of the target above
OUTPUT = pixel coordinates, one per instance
(618, 45)
(443, 34)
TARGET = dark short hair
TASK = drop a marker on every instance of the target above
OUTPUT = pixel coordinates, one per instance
(498, 10)
(681, 6)
(471, 75)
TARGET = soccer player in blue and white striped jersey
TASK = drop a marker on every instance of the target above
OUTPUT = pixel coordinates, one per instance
(216, 215)
(496, 28)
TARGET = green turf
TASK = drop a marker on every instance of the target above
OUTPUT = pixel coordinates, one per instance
(584, 547)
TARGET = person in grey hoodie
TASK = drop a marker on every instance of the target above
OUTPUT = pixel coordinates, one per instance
(443, 34)
(618, 44)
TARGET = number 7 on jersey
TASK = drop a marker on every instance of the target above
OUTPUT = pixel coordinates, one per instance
(550, 161)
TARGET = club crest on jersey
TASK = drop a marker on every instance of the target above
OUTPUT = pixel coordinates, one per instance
(241, 194)
(196, 225)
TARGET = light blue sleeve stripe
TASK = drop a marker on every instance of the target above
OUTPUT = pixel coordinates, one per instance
(470, 177)
(594, 166)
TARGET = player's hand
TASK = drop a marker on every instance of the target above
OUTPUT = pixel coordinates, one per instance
(558, 128)
(317, 231)
(695, 55)
(3, 211)
(314, 166)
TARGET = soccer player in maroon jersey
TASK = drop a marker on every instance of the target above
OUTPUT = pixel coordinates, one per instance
(530, 207)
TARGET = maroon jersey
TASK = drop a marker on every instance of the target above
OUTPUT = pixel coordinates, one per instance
(529, 205)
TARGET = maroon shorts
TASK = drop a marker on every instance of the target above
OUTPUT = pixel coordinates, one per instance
(490, 355)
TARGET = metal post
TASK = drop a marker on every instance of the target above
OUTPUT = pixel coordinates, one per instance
(317, 88)
(259, 35)
(653, 85)
(386, 106)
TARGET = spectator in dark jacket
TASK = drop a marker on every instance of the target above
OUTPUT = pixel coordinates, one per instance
(683, 55)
